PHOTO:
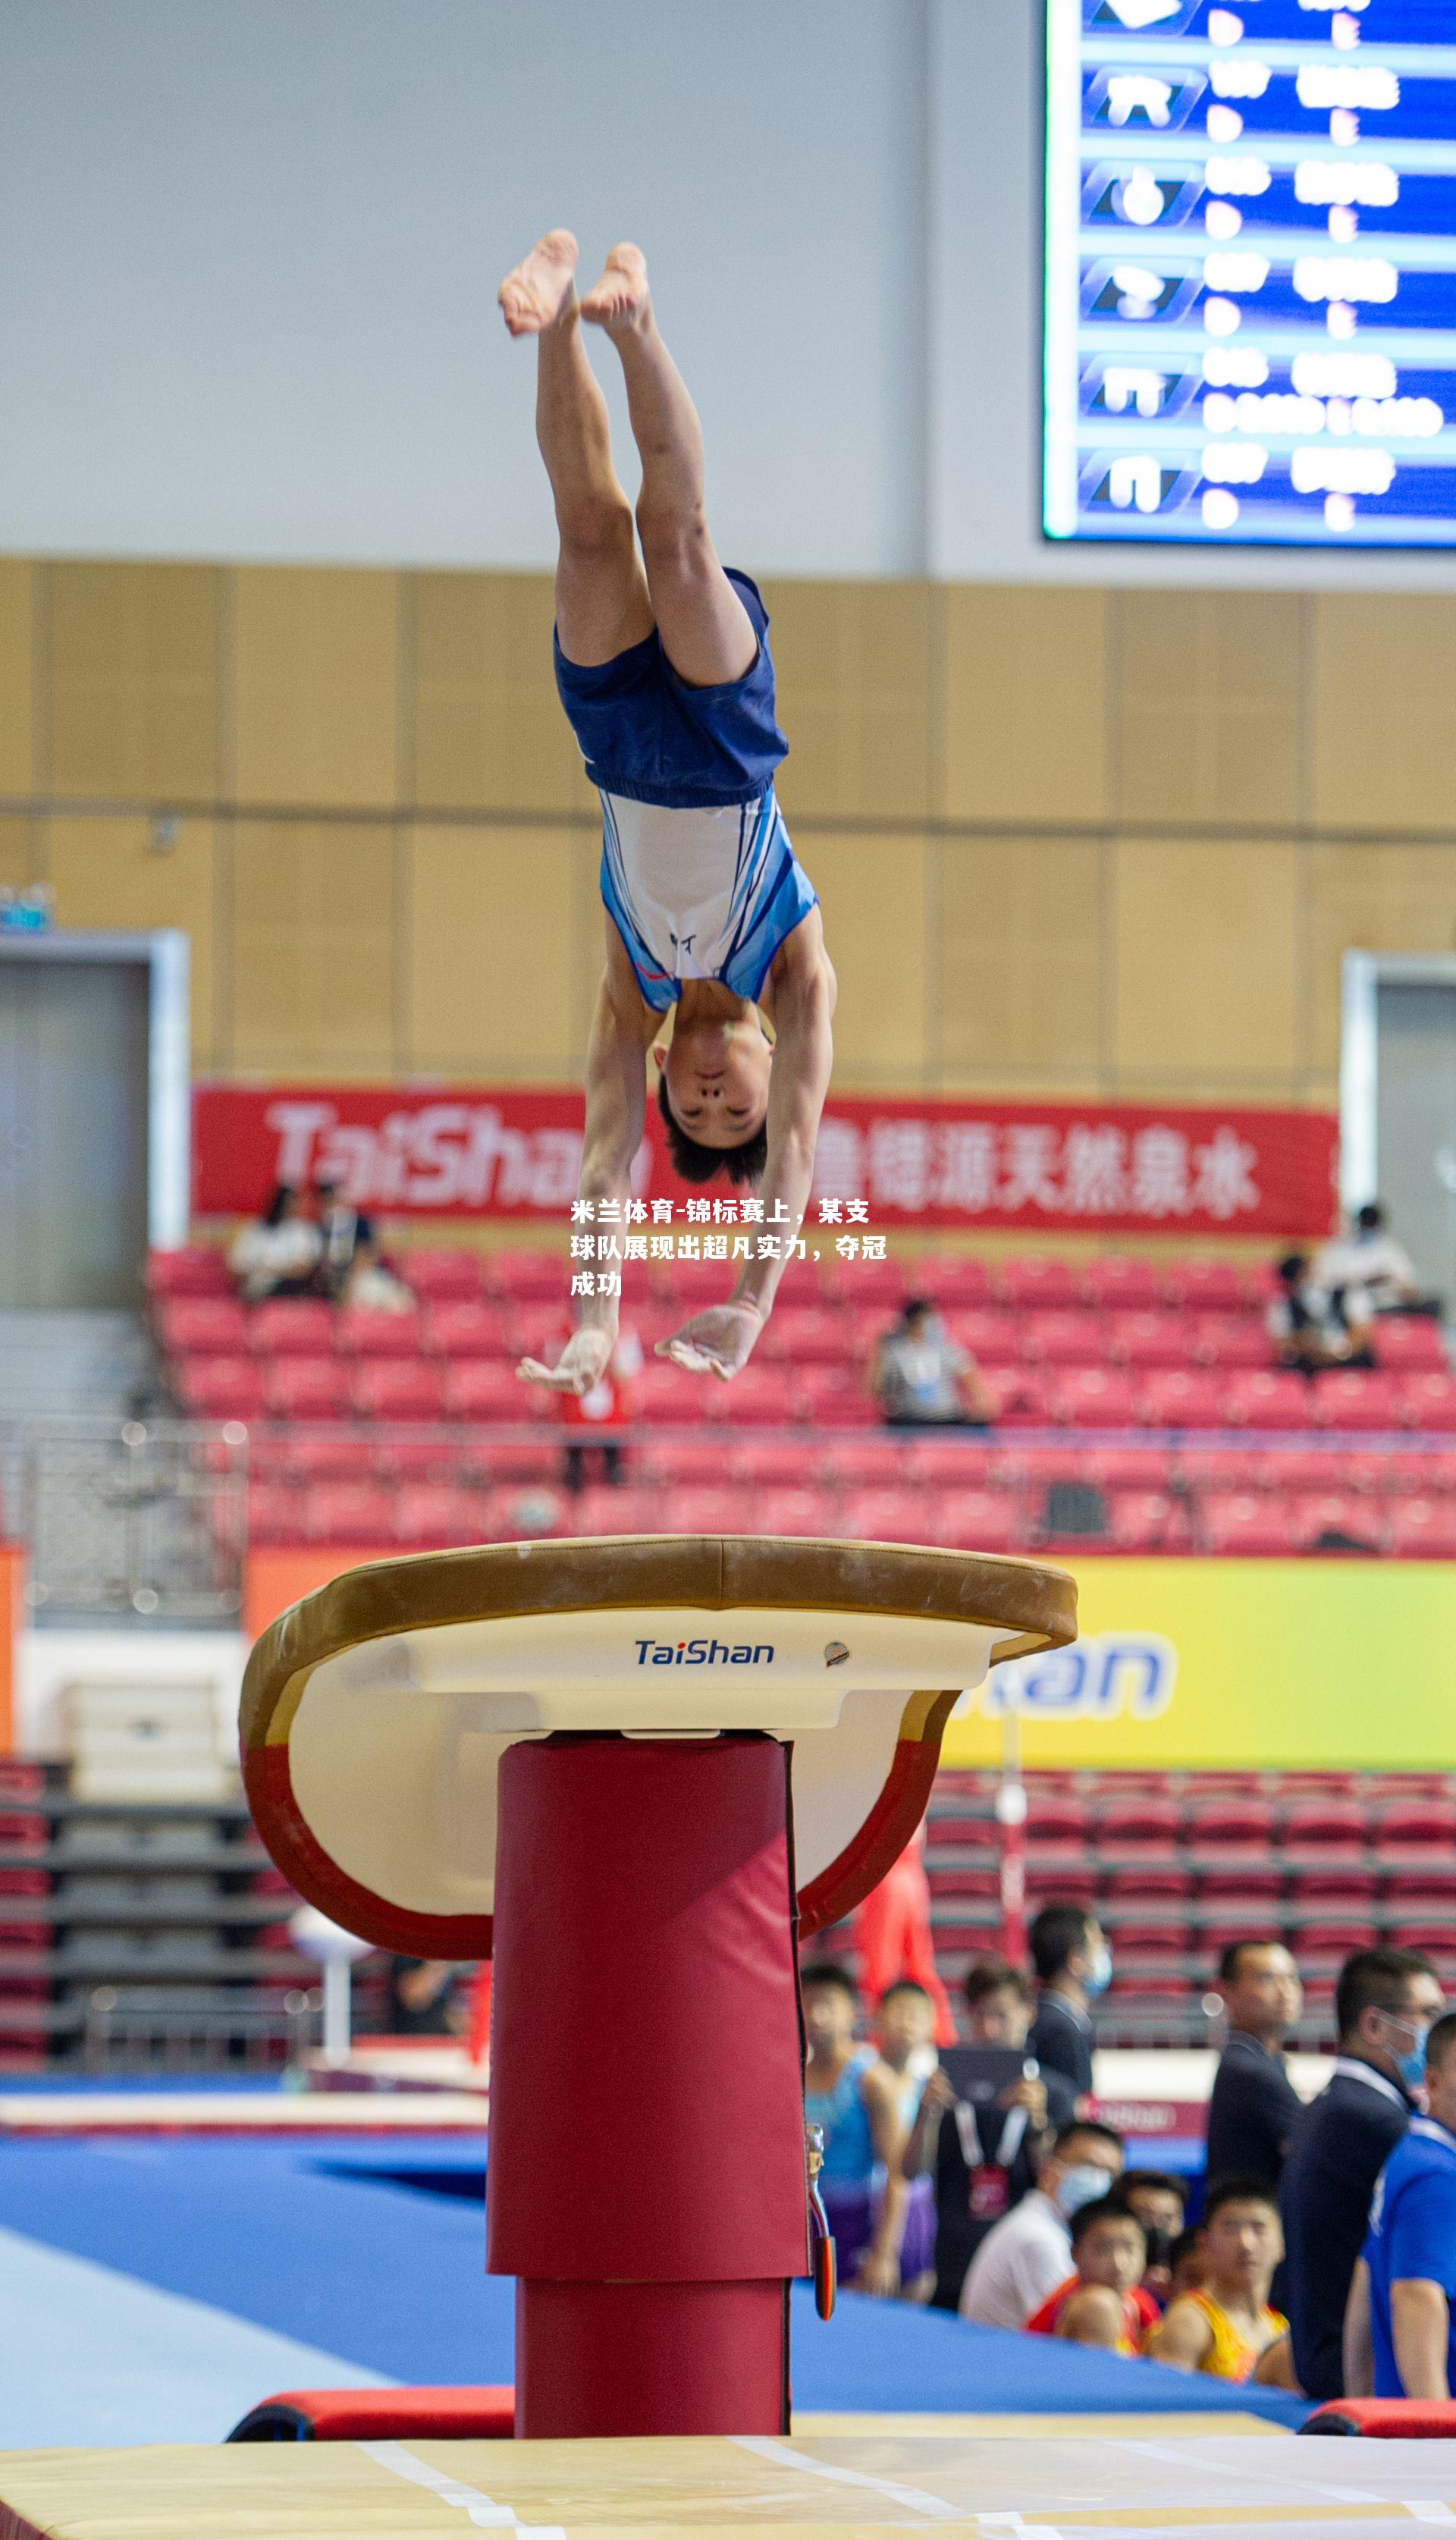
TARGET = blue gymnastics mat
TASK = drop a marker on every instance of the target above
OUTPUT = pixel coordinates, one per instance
(371, 2259)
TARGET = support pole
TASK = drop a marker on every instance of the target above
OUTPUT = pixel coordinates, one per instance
(1010, 1816)
(647, 2168)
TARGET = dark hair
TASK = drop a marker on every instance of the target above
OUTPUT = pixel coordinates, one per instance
(1056, 1930)
(1375, 1980)
(1239, 2191)
(1291, 1268)
(692, 1161)
(828, 1971)
(1085, 2126)
(1183, 2246)
(913, 1305)
(1440, 2039)
(1228, 1964)
(1371, 1216)
(279, 1205)
(1161, 2179)
(904, 1984)
(1105, 2209)
(985, 1976)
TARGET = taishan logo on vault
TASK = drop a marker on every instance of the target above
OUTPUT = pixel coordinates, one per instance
(704, 1654)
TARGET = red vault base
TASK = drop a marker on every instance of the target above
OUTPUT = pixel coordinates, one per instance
(646, 2180)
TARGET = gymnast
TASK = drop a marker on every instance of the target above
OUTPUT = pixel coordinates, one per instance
(663, 668)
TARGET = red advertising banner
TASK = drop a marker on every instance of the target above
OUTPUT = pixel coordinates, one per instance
(892, 1161)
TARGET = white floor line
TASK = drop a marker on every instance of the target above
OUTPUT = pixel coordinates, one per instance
(482, 2509)
(91, 2355)
(918, 2500)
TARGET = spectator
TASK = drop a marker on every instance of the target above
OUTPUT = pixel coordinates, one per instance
(1384, 2005)
(1074, 1964)
(1366, 1256)
(1315, 1327)
(1186, 2263)
(1254, 2107)
(277, 1255)
(906, 2028)
(848, 2093)
(1026, 2256)
(1399, 2339)
(983, 2164)
(424, 1998)
(1102, 2302)
(1159, 2202)
(372, 1287)
(605, 1410)
(342, 1234)
(922, 1378)
(1226, 2328)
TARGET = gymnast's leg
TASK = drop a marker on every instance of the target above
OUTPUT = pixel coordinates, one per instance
(705, 628)
(602, 604)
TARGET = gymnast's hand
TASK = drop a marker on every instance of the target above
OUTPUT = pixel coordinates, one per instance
(717, 1342)
(583, 1363)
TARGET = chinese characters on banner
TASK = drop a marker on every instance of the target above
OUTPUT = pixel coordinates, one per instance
(901, 1161)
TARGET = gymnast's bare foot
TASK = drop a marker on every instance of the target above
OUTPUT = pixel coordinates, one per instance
(534, 294)
(620, 300)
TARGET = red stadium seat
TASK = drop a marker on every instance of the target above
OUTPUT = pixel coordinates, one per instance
(1269, 1398)
(1237, 1522)
(539, 1276)
(1230, 1824)
(1150, 1338)
(1323, 1825)
(1183, 1398)
(1147, 1881)
(1421, 1825)
(878, 1287)
(440, 1273)
(466, 1327)
(275, 1513)
(1035, 1279)
(621, 1508)
(1434, 1940)
(1147, 1522)
(479, 1390)
(1040, 1467)
(1428, 1401)
(404, 1388)
(1055, 1817)
(758, 1461)
(812, 1335)
(1224, 1467)
(1357, 1397)
(366, 1335)
(1332, 1936)
(697, 1510)
(1145, 1936)
(1229, 1340)
(760, 1396)
(203, 1326)
(1214, 1287)
(831, 1398)
(1097, 1397)
(886, 1517)
(1070, 1336)
(1410, 1344)
(435, 1512)
(950, 1279)
(1429, 1889)
(792, 1512)
(292, 1327)
(1422, 1472)
(192, 1270)
(1294, 1470)
(866, 1460)
(1422, 1529)
(957, 1463)
(395, 1456)
(1133, 1467)
(1338, 1521)
(989, 1333)
(1122, 1283)
(1146, 1823)
(1340, 1886)
(521, 1514)
(220, 1389)
(975, 1522)
(349, 1513)
(307, 1388)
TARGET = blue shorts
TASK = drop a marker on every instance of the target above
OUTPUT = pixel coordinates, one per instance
(645, 733)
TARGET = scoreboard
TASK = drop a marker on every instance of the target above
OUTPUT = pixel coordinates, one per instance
(1250, 272)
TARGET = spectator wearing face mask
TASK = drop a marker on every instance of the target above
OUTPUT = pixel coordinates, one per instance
(1385, 2003)
(1028, 2254)
(1074, 1964)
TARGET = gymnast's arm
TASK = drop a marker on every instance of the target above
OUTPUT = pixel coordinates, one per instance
(616, 1109)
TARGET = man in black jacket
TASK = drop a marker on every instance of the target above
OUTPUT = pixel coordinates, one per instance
(1255, 2105)
(1384, 2004)
(1074, 1964)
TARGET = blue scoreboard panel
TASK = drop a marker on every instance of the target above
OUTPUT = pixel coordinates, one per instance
(1251, 272)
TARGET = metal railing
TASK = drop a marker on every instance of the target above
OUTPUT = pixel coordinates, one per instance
(129, 2033)
(129, 1518)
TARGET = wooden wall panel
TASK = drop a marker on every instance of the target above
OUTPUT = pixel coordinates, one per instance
(1209, 692)
(873, 893)
(1394, 898)
(133, 681)
(312, 985)
(854, 668)
(21, 851)
(489, 731)
(316, 710)
(494, 978)
(17, 684)
(1021, 964)
(1206, 950)
(1383, 739)
(1023, 702)
(107, 873)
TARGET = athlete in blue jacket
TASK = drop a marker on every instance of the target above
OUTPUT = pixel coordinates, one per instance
(1400, 2326)
(663, 668)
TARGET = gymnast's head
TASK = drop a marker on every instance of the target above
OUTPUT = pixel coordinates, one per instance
(712, 1091)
